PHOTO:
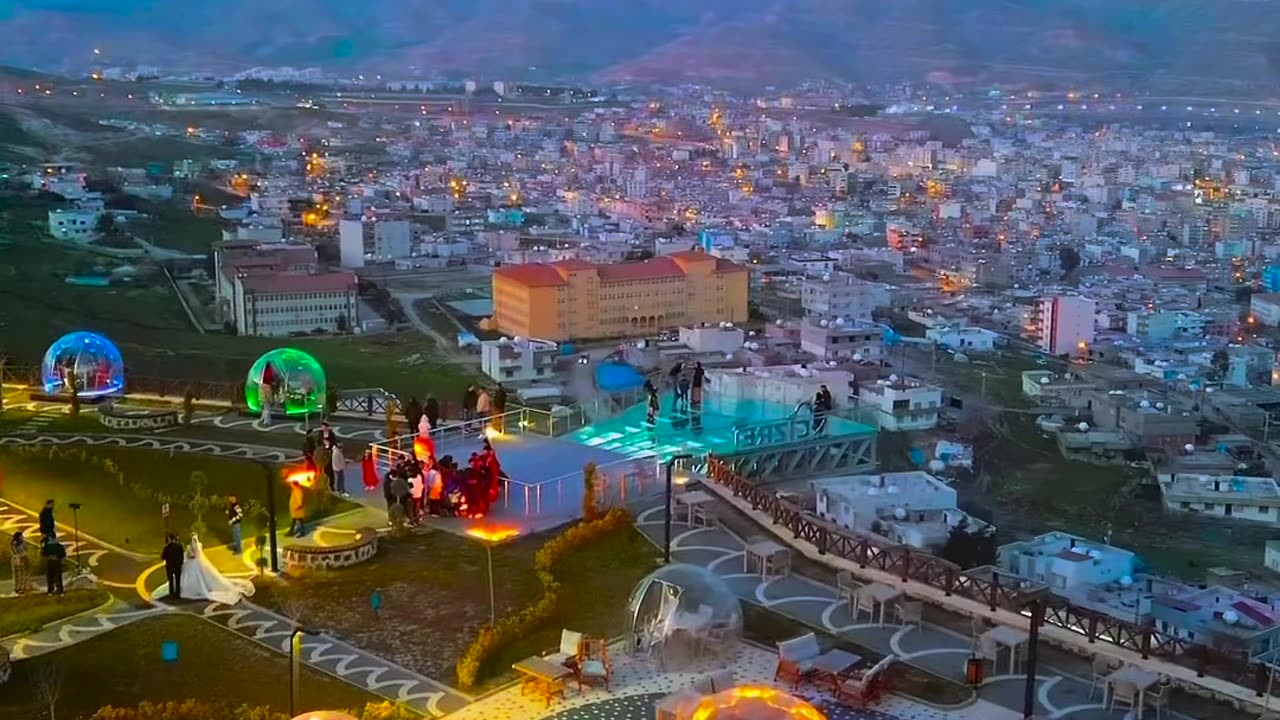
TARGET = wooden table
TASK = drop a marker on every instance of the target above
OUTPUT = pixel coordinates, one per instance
(691, 500)
(769, 556)
(1142, 679)
(835, 663)
(542, 677)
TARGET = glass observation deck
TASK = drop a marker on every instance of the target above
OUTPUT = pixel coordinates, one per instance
(723, 426)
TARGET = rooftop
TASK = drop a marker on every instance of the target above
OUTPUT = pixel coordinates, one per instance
(1220, 488)
(326, 282)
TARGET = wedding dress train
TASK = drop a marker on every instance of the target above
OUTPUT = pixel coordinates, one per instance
(202, 581)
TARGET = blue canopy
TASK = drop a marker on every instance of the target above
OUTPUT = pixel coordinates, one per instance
(612, 376)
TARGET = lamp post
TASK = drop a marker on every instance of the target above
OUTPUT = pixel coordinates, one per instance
(490, 537)
(1033, 642)
(271, 515)
(295, 666)
(666, 514)
(75, 523)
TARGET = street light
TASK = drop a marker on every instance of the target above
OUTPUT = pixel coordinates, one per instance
(490, 537)
(75, 521)
(295, 665)
(666, 515)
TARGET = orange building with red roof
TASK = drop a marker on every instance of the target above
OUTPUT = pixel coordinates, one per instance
(577, 299)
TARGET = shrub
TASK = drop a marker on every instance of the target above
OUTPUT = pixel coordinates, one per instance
(491, 638)
(205, 710)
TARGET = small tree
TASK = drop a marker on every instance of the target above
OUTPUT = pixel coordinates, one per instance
(969, 547)
(391, 417)
(188, 407)
(46, 682)
(331, 396)
(1221, 363)
(590, 508)
(198, 502)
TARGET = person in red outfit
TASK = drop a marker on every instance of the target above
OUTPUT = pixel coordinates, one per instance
(369, 470)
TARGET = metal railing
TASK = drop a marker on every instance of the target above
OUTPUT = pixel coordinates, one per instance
(990, 586)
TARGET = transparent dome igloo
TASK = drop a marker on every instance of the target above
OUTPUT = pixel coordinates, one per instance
(298, 383)
(91, 359)
(751, 702)
(682, 614)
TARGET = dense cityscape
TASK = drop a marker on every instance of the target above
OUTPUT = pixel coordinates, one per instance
(550, 395)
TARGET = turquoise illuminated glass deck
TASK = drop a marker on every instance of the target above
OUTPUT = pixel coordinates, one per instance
(725, 425)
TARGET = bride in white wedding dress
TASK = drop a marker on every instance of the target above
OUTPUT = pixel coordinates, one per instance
(202, 581)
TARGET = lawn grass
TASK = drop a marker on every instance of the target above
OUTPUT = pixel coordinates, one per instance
(30, 612)
(146, 322)
(124, 667)
(122, 516)
(173, 226)
(435, 597)
(138, 152)
(768, 628)
(596, 583)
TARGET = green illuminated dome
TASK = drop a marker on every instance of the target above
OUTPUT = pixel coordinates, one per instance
(298, 382)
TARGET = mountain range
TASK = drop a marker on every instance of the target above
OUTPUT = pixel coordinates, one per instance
(1227, 44)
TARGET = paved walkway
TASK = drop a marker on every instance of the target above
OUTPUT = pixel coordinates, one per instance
(930, 647)
(136, 583)
(165, 444)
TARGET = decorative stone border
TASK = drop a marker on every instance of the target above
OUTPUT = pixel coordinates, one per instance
(136, 419)
(328, 557)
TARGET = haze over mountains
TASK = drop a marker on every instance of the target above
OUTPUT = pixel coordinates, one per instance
(1225, 43)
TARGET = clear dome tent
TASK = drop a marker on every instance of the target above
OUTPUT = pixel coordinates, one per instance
(91, 359)
(297, 382)
(682, 614)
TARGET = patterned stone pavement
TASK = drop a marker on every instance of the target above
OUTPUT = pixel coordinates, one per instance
(936, 649)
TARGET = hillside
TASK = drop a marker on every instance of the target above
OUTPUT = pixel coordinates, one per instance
(1228, 44)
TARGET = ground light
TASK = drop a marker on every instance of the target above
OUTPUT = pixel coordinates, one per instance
(490, 536)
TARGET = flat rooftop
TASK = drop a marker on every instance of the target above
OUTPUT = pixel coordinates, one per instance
(1221, 488)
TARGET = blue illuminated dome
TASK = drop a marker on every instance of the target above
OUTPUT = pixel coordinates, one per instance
(90, 358)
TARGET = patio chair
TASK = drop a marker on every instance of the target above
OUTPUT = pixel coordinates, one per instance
(910, 612)
(570, 647)
(845, 587)
(703, 516)
(796, 658)
(1158, 694)
(715, 682)
(1101, 669)
(594, 665)
(1125, 693)
(865, 689)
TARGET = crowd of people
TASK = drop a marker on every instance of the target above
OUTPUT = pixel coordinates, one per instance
(686, 395)
(480, 406)
(52, 552)
(421, 484)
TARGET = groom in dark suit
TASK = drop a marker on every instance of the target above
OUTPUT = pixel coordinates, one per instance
(173, 555)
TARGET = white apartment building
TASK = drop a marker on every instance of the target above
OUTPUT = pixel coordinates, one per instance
(910, 508)
(1265, 308)
(842, 295)
(370, 238)
(1256, 499)
(519, 360)
(1066, 324)
(278, 305)
(1067, 564)
(902, 404)
(839, 339)
(73, 224)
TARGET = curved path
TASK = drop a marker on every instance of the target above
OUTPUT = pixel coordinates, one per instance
(134, 579)
(933, 648)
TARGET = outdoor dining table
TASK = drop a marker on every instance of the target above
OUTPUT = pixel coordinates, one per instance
(835, 663)
(543, 677)
(1142, 679)
(1010, 637)
(691, 501)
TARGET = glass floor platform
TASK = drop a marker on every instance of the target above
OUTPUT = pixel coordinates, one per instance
(679, 430)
